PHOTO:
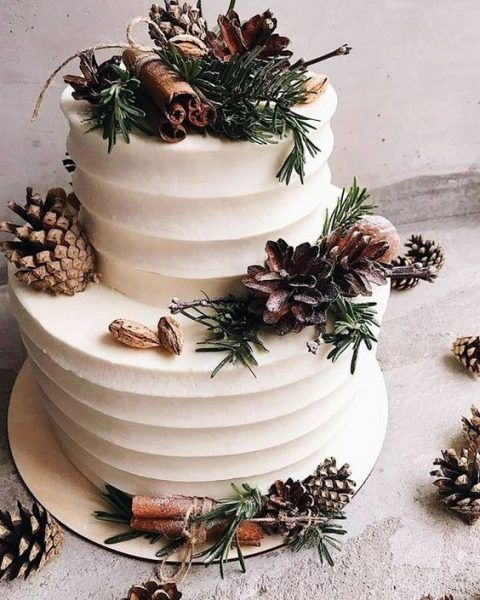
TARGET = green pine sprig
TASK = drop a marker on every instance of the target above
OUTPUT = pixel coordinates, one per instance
(254, 100)
(353, 323)
(245, 504)
(232, 329)
(321, 535)
(351, 206)
(115, 109)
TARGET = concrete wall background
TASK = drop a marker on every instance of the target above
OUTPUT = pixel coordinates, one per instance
(409, 93)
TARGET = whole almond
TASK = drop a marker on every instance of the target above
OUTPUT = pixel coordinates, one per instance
(133, 334)
(170, 335)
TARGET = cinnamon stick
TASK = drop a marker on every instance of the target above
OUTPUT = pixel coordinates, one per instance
(171, 528)
(161, 507)
(171, 132)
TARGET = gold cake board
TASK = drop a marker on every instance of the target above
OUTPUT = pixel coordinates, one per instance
(71, 498)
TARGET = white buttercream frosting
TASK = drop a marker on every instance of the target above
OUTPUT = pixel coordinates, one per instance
(174, 221)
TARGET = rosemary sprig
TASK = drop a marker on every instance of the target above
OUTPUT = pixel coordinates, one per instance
(115, 108)
(320, 536)
(351, 207)
(254, 100)
(245, 504)
(231, 328)
(121, 504)
(352, 327)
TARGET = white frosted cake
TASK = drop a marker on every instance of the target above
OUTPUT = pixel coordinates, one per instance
(174, 221)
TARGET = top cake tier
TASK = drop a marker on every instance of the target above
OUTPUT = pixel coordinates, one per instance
(172, 220)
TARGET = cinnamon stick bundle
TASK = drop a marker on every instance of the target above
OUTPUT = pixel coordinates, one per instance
(177, 101)
(167, 515)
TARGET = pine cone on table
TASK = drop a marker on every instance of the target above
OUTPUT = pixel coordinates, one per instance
(430, 597)
(407, 283)
(332, 487)
(52, 253)
(235, 38)
(289, 499)
(355, 257)
(467, 351)
(471, 429)
(426, 252)
(177, 18)
(294, 289)
(153, 590)
(458, 482)
(29, 539)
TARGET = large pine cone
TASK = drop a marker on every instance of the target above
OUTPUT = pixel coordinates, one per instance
(153, 590)
(458, 482)
(355, 257)
(286, 500)
(294, 288)
(95, 77)
(331, 487)
(467, 351)
(53, 253)
(29, 539)
(176, 19)
(236, 38)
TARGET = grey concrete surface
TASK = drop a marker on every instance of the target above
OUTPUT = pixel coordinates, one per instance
(401, 543)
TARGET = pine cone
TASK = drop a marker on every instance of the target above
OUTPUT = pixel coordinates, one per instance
(331, 487)
(459, 482)
(355, 257)
(294, 289)
(406, 283)
(53, 253)
(286, 500)
(95, 77)
(29, 539)
(176, 19)
(467, 351)
(153, 590)
(426, 252)
(236, 38)
(471, 429)
(430, 597)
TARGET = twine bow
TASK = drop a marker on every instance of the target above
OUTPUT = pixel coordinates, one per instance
(195, 533)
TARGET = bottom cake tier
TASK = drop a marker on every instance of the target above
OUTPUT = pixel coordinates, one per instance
(148, 423)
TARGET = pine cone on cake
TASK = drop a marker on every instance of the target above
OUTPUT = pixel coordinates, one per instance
(176, 19)
(294, 289)
(467, 351)
(426, 252)
(153, 590)
(331, 487)
(471, 429)
(95, 77)
(29, 539)
(407, 283)
(286, 500)
(52, 253)
(355, 257)
(458, 482)
(235, 38)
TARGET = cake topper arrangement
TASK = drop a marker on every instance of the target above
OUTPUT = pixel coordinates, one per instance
(236, 80)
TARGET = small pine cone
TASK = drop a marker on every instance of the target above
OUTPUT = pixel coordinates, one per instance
(52, 253)
(287, 500)
(176, 19)
(153, 590)
(426, 252)
(430, 597)
(458, 482)
(467, 351)
(29, 539)
(330, 486)
(471, 429)
(407, 283)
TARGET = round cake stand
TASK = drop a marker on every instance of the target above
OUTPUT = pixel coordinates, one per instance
(71, 498)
